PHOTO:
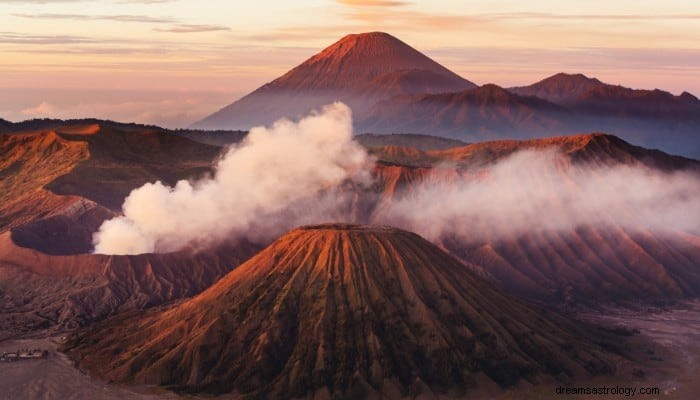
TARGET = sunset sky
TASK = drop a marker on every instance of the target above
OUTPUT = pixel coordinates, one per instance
(170, 62)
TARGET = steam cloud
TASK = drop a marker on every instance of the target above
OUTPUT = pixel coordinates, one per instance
(533, 191)
(275, 179)
(309, 172)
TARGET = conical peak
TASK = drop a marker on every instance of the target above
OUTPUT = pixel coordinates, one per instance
(354, 249)
(365, 46)
(367, 42)
(356, 60)
(347, 305)
(354, 37)
(359, 69)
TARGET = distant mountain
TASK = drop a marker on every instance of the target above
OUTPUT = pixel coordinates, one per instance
(486, 111)
(358, 69)
(621, 102)
(561, 104)
(345, 311)
(5, 126)
(560, 88)
(393, 88)
(591, 96)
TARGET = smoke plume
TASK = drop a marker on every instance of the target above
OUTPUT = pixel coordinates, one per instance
(542, 190)
(277, 178)
(312, 171)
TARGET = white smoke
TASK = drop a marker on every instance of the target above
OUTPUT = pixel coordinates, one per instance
(309, 172)
(541, 190)
(277, 178)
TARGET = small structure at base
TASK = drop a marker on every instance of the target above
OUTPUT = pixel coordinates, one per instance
(24, 354)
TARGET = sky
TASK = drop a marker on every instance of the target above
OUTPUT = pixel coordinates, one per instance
(172, 62)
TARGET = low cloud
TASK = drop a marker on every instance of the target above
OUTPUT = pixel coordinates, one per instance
(21, 38)
(169, 110)
(85, 17)
(190, 28)
(373, 3)
(145, 1)
(41, 1)
(42, 110)
(82, 1)
(534, 191)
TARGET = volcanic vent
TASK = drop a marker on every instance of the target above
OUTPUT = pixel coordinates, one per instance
(345, 310)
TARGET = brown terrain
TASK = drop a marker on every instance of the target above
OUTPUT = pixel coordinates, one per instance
(355, 311)
(58, 186)
(589, 264)
(60, 181)
(345, 310)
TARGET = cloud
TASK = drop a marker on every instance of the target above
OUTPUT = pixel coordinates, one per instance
(373, 3)
(20, 38)
(145, 1)
(278, 178)
(84, 17)
(192, 28)
(614, 17)
(41, 1)
(168, 109)
(411, 20)
(539, 191)
(82, 1)
(633, 67)
(44, 109)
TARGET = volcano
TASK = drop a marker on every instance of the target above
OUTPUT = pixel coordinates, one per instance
(59, 180)
(359, 69)
(483, 111)
(610, 262)
(560, 88)
(347, 310)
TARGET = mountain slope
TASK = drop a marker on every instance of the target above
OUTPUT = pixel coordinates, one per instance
(358, 69)
(485, 111)
(57, 186)
(56, 293)
(336, 310)
(592, 148)
(589, 262)
(591, 96)
(561, 104)
(29, 162)
(560, 88)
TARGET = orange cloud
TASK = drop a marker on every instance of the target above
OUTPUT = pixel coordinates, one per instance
(44, 109)
(373, 3)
